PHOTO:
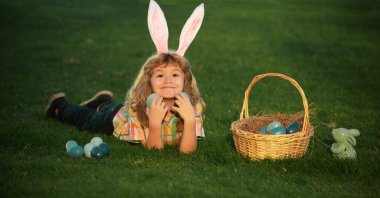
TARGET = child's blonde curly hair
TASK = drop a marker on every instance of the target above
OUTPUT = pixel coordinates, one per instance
(142, 88)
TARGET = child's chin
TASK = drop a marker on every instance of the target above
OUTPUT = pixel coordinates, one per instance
(169, 95)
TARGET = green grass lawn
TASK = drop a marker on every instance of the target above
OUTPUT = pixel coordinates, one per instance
(331, 47)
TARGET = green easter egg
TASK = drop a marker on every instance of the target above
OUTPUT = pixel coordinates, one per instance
(278, 131)
(75, 152)
(263, 130)
(149, 99)
(97, 152)
(273, 125)
(105, 148)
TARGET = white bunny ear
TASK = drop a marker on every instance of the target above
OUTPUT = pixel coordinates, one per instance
(190, 29)
(158, 27)
(354, 132)
(351, 140)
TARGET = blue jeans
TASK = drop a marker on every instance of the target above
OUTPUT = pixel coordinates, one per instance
(88, 119)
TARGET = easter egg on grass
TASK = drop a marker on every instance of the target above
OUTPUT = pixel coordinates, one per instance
(97, 152)
(292, 128)
(273, 125)
(96, 141)
(105, 148)
(75, 152)
(87, 149)
(70, 144)
(278, 131)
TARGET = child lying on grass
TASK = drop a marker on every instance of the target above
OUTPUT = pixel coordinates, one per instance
(172, 117)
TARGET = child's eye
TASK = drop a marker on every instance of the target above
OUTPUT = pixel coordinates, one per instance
(159, 75)
(175, 75)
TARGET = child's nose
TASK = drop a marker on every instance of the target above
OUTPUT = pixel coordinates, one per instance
(168, 79)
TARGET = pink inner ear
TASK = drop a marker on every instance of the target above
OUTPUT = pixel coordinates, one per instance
(190, 29)
(158, 27)
(186, 40)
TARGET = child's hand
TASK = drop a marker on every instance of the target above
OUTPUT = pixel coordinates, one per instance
(185, 108)
(157, 110)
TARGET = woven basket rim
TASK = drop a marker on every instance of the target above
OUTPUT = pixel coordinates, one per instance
(239, 132)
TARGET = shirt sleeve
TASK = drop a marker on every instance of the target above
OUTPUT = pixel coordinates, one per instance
(127, 127)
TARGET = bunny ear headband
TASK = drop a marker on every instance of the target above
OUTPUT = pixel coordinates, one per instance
(158, 28)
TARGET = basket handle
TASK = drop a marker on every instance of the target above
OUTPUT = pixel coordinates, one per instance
(245, 112)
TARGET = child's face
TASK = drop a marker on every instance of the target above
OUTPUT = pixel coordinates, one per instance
(167, 81)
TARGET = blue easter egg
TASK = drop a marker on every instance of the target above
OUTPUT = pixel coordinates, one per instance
(70, 144)
(75, 152)
(292, 128)
(97, 152)
(278, 131)
(105, 148)
(149, 99)
(263, 130)
(273, 125)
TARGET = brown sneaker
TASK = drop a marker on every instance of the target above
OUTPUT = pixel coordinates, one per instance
(98, 99)
(56, 100)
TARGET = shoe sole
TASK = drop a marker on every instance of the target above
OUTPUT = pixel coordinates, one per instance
(52, 98)
(104, 92)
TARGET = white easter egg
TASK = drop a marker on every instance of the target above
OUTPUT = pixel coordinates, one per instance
(96, 141)
(87, 149)
(70, 144)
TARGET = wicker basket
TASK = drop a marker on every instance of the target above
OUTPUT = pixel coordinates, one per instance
(250, 142)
